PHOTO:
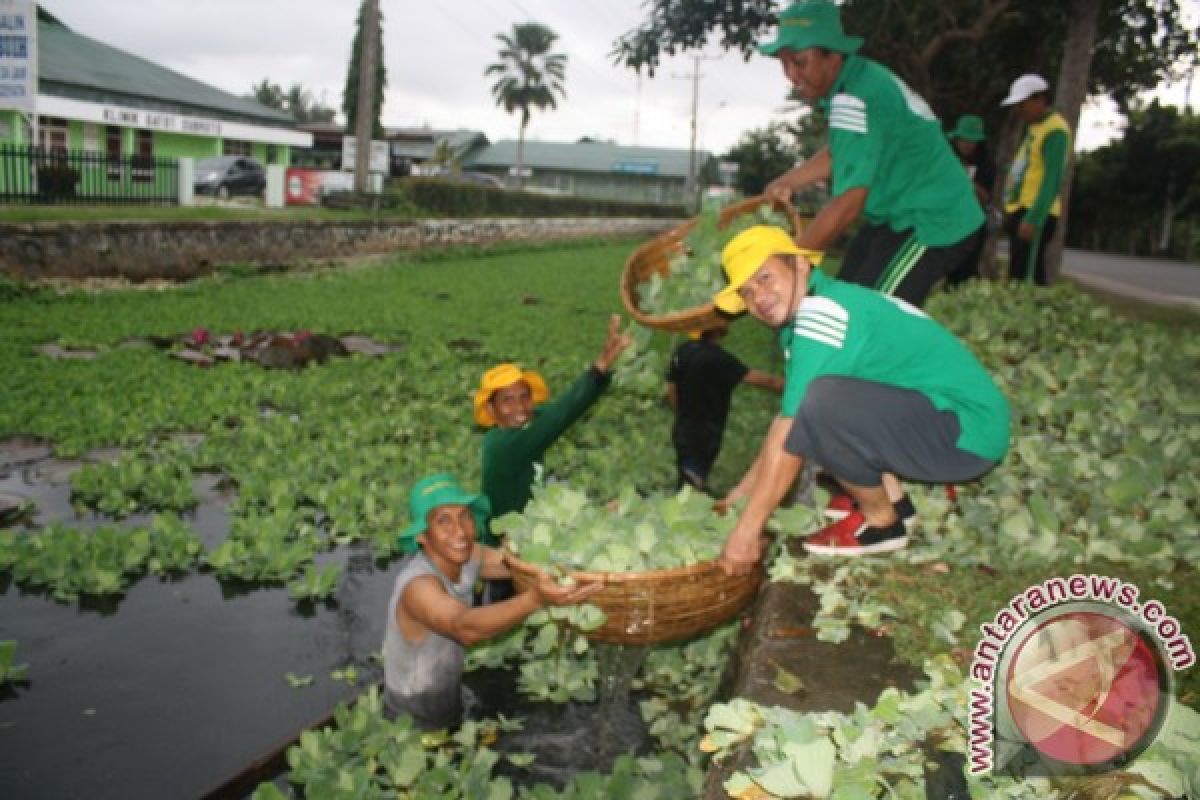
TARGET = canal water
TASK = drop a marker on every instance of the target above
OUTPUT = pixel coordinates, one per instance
(177, 685)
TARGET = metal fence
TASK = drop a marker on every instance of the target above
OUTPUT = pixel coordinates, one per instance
(36, 175)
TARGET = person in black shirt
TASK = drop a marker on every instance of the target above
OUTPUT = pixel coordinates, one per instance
(700, 384)
(969, 141)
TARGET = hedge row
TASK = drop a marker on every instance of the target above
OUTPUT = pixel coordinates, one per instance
(465, 200)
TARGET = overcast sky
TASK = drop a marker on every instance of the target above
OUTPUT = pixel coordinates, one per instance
(435, 52)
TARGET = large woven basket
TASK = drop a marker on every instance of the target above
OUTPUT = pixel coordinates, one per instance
(666, 605)
(655, 256)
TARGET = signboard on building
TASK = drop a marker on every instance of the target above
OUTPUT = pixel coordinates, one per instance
(378, 161)
(126, 116)
(18, 55)
(636, 167)
(158, 120)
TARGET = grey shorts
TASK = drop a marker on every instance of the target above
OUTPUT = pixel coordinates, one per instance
(857, 430)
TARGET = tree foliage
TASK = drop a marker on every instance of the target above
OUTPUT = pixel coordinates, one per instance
(1138, 194)
(528, 75)
(763, 154)
(960, 54)
(350, 92)
(296, 101)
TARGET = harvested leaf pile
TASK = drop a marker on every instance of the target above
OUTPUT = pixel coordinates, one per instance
(562, 528)
(694, 275)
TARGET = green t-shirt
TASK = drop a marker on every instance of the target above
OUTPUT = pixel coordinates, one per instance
(883, 137)
(510, 454)
(849, 331)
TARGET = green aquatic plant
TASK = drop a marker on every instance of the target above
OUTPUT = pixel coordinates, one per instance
(133, 483)
(69, 562)
(315, 584)
(11, 672)
(694, 274)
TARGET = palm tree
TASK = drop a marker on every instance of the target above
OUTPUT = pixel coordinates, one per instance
(529, 76)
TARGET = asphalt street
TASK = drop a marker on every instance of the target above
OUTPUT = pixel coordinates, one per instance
(1152, 280)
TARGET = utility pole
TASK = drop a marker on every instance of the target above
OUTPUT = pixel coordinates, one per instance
(363, 124)
(637, 109)
(695, 76)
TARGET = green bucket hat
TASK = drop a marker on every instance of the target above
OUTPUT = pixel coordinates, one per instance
(969, 127)
(440, 489)
(812, 23)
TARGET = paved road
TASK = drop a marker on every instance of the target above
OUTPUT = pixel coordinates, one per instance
(1168, 283)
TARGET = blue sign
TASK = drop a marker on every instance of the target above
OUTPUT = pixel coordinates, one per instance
(18, 54)
(636, 167)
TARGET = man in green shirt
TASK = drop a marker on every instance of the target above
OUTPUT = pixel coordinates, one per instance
(886, 157)
(872, 386)
(1032, 201)
(512, 404)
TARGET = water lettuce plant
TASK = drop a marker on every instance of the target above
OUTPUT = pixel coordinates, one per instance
(133, 483)
(694, 274)
(69, 562)
(562, 527)
(11, 672)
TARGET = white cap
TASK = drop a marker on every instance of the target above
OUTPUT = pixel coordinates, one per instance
(1023, 87)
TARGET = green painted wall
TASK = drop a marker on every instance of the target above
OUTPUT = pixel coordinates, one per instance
(177, 145)
(15, 124)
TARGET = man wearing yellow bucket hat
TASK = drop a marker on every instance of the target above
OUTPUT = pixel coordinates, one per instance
(431, 618)
(886, 158)
(872, 386)
(514, 404)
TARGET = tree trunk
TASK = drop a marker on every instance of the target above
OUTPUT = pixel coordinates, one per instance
(521, 155)
(1006, 143)
(365, 108)
(1168, 220)
(1069, 96)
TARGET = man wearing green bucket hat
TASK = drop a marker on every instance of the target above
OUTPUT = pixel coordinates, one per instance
(431, 618)
(970, 144)
(886, 158)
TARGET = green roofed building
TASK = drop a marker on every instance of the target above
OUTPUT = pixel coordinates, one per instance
(95, 98)
(591, 168)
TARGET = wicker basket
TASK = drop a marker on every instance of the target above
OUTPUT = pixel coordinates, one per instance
(655, 256)
(665, 605)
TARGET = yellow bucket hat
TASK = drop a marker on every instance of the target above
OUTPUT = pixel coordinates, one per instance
(500, 376)
(746, 252)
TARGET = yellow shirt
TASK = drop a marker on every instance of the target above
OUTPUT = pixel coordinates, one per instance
(1029, 167)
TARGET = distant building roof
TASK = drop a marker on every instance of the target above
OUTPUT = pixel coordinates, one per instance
(419, 143)
(589, 155)
(74, 66)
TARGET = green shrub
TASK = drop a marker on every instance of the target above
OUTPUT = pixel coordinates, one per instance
(466, 200)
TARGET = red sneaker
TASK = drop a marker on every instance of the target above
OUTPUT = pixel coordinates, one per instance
(843, 505)
(852, 536)
(840, 506)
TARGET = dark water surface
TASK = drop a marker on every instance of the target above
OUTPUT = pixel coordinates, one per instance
(169, 690)
(175, 687)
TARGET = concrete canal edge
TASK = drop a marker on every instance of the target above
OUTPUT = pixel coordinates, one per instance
(181, 250)
(778, 635)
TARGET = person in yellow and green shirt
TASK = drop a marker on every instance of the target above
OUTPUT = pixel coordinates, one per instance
(514, 405)
(872, 387)
(1033, 192)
